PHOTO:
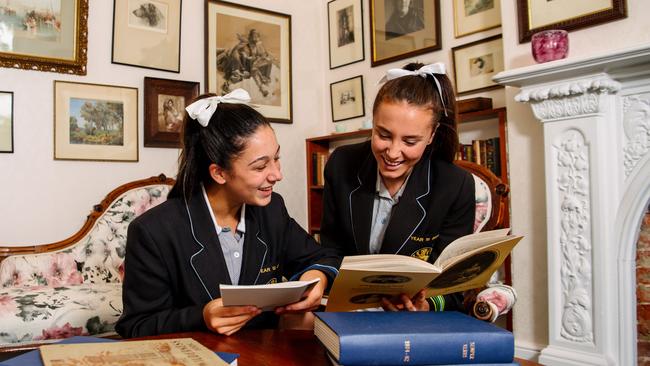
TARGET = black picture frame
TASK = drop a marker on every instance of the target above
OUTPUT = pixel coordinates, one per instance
(347, 99)
(346, 46)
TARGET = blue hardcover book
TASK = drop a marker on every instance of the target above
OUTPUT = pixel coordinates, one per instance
(336, 363)
(412, 338)
(33, 358)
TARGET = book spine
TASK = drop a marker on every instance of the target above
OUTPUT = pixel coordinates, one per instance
(426, 349)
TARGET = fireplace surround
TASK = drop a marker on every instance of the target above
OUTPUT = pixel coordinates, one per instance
(595, 114)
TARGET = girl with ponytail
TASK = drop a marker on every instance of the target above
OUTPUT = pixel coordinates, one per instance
(400, 192)
(221, 224)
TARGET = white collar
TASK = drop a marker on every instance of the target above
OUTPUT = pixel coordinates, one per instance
(241, 226)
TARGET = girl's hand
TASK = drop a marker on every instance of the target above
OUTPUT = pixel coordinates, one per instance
(403, 303)
(227, 319)
(311, 298)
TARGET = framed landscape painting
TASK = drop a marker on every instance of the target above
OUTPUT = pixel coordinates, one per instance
(476, 63)
(471, 16)
(347, 99)
(539, 15)
(147, 33)
(95, 122)
(250, 48)
(164, 108)
(345, 25)
(6, 122)
(44, 35)
(403, 28)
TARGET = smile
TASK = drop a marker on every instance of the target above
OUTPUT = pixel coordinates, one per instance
(391, 164)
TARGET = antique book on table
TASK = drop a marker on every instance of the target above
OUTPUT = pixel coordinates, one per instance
(33, 358)
(266, 297)
(412, 338)
(158, 352)
(466, 263)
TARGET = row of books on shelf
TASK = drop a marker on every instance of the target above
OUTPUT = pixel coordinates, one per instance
(318, 160)
(483, 152)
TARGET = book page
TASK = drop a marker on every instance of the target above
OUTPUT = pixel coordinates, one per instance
(267, 297)
(387, 263)
(473, 269)
(178, 351)
(469, 243)
(361, 289)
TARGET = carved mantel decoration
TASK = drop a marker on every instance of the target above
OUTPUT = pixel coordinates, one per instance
(595, 114)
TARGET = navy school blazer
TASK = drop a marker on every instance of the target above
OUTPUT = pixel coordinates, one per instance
(174, 265)
(436, 207)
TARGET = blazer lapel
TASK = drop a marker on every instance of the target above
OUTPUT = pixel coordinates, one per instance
(207, 260)
(409, 213)
(361, 202)
(255, 250)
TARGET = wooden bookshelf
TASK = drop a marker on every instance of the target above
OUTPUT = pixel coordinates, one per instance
(322, 145)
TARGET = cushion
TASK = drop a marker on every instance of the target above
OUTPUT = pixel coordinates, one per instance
(483, 203)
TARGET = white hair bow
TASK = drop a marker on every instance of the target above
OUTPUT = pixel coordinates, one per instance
(437, 68)
(203, 109)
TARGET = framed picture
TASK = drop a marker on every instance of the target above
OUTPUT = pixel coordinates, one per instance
(44, 35)
(147, 33)
(347, 99)
(250, 48)
(403, 28)
(95, 122)
(471, 16)
(6, 122)
(476, 63)
(164, 107)
(539, 15)
(345, 26)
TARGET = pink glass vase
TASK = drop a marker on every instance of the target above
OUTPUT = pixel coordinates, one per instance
(550, 45)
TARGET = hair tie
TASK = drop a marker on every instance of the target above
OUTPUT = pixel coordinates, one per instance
(437, 68)
(203, 109)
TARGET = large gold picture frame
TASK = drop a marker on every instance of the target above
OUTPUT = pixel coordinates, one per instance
(45, 38)
(250, 48)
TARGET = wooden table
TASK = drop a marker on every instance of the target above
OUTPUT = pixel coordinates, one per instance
(270, 347)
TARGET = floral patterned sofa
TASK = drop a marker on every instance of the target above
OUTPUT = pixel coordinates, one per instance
(73, 287)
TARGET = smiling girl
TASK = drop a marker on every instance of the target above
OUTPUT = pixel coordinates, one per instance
(221, 224)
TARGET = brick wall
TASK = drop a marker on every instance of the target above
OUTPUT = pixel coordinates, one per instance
(643, 292)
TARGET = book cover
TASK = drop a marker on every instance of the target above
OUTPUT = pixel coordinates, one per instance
(156, 352)
(466, 263)
(412, 338)
(334, 362)
(33, 358)
(268, 296)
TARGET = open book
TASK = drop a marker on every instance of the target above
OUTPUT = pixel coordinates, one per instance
(267, 297)
(466, 263)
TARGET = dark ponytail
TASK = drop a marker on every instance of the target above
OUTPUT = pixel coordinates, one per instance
(222, 140)
(423, 92)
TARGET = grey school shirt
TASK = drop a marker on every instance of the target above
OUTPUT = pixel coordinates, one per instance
(232, 242)
(382, 209)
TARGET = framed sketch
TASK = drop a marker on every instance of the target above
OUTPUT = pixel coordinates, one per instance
(345, 26)
(471, 16)
(403, 28)
(6, 122)
(250, 48)
(347, 99)
(164, 108)
(147, 33)
(476, 63)
(44, 35)
(539, 15)
(95, 122)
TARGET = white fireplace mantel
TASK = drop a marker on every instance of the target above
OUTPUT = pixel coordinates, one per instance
(596, 119)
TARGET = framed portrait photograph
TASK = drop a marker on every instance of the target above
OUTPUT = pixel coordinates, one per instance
(347, 99)
(95, 122)
(250, 48)
(147, 33)
(345, 26)
(471, 16)
(44, 35)
(6, 122)
(476, 63)
(164, 108)
(539, 15)
(403, 28)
